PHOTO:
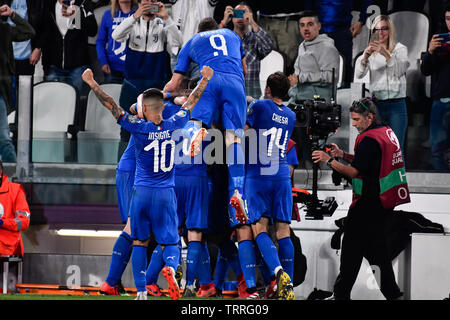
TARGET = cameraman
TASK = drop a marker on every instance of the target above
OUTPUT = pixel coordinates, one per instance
(379, 184)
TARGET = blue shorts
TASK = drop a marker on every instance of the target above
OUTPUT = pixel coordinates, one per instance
(192, 201)
(153, 211)
(269, 198)
(225, 99)
(124, 185)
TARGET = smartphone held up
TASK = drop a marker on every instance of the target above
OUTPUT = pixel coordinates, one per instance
(374, 37)
(238, 13)
(445, 37)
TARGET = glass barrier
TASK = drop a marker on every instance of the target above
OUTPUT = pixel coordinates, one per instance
(71, 128)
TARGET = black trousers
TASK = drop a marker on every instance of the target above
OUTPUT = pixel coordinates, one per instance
(365, 236)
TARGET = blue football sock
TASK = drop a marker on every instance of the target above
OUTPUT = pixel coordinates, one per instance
(230, 252)
(247, 259)
(286, 254)
(194, 252)
(155, 266)
(171, 256)
(139, 266)
(235, 161)
(180, 247)
(204, 267)
(268, 251)
(221, 270)
(265, 271)
(119, 259)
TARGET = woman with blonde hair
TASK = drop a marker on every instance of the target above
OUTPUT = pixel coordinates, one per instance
(111, 53)
(387, 62)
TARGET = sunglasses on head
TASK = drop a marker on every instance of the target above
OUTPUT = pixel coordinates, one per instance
(360, 104)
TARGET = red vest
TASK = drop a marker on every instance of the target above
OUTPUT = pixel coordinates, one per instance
(15, 214)
(393, 186)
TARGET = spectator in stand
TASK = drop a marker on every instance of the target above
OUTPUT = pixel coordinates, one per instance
(187, 14)
(65, 53)
(280, 20)
(436, 63)
(316, 59)
(220, 5)
(110, 53)
(187, 17)
(26, 53)
(255, 41)
(150, 36)
(387, 62)
(313, 73)
(22, 31)
(14, 216)
(336, 19)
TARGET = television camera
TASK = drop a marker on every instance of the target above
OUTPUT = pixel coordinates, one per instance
(320, 119)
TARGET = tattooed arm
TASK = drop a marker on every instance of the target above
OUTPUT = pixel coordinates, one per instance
(196, 94)
(104, 98)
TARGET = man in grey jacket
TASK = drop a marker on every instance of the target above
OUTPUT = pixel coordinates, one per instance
(313, 76)
(317, 56)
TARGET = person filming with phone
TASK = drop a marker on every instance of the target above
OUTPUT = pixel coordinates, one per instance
(386, 62)
(255, 41)
(436, 63)
(151, 34)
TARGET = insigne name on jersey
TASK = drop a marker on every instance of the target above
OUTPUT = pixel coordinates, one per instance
(159, 135)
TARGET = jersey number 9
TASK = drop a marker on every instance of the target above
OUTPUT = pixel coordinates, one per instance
(222, 46)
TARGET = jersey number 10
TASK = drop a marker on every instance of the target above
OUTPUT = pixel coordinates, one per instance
(159, 159)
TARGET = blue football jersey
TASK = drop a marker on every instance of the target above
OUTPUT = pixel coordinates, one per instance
(155, 148)
(220, 49)
(273, 125)
(185, 165)
(170, 109)
(127, 161)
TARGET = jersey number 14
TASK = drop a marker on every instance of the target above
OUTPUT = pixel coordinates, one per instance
(276, 139)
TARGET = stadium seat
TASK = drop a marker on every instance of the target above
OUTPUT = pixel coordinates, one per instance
(364, 80)
(273, 62)
(6, 259)
(341, 71)
(11, 117)
(99, 142)
(411, 29)
(53, 111)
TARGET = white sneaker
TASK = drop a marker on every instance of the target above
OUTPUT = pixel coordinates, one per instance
(141, 295)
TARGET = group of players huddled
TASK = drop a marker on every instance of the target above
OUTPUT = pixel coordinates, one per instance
(202, 164)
